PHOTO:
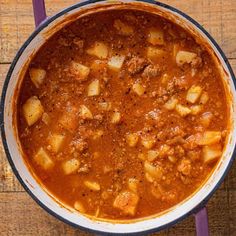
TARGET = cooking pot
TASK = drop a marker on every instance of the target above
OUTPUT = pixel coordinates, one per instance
(45, 28)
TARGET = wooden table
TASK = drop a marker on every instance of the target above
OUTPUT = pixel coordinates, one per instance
(19, 214)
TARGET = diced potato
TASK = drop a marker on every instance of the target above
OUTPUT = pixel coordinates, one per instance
(105, 106)
(211, 153)
(97, 134)
(148, 142)
(133, 184)
(80, 71)
(196, 109)
(32, 110)
(116, 117)
(206, 118)
(116, 62)
(43, 159)
(149, 178)
(94, 88)
(164, 78)
(70, 166)
(55, 141)
(79, 207)
(46, 118)
(182, 110)
(165, 150)
(132, 139)
(156, 37)
(138, 89)
(183, 57)
(171, 103)
(92, 185)
(210, 137)
(204, 98)
(154, 171)
(123, 28)
(155, 53)
(127, 202)
(152, 155)
(69, 119)
(85, 113)
(193, 94)
(172, 159)
(37, 76)
(99, 50)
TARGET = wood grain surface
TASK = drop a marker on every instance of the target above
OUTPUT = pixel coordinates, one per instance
(19, 214)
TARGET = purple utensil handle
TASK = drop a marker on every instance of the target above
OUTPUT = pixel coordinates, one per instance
(39, 11)
(201, 222)
(201, 219)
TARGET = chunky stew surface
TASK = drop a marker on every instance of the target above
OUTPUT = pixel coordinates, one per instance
(122, 115)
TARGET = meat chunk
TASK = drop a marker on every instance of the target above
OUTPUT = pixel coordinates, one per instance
(127, 202)
(151, 71)
(136, 65)
(185, 167)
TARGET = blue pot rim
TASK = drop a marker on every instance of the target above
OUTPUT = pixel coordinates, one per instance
(2, 106)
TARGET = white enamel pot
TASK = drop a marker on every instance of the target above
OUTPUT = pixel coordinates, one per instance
(45, 28)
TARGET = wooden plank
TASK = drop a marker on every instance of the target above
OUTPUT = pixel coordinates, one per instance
(19, 209)
(16, 21)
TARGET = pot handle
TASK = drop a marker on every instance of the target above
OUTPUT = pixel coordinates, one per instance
(201, 222)
(39, 11)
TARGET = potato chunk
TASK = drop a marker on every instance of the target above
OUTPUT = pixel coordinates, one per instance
(133, 184)
(85, 113)
(171, 103)
(138, 89)
(55, 141)
(193, 94)
(32, 110)
(115, 62)
(182, 110)
(99, 50)
(196, 109)
(80, 71)
(183, 57)
(37, 76)
(154, 53)
(211, 153)
(94, 88)
(70, 166)
(92, 185)
(210, 137)
(155, 37)
(132, 139)
(79, 207)
(126, 202)
(43, 159)
(105, 106)
(116, 117)
(206, 119)
(155, 172)
(148, 142)
(152, 155)
(123, 28)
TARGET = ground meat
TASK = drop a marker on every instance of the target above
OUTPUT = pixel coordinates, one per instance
(151, 71)
(185, 167)
(136, 65)
(196, 62)
(79, 144)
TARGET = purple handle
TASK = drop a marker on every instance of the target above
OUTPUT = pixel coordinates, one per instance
(201, 222)
(39, 11)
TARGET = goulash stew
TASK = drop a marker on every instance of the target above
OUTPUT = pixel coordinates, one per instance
(122, 114)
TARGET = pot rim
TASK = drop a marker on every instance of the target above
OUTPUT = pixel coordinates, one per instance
(2, 106)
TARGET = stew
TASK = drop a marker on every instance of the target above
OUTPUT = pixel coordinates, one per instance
(122, 114)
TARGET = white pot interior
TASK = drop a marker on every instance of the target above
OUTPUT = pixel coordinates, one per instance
(78, 219)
